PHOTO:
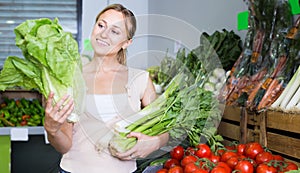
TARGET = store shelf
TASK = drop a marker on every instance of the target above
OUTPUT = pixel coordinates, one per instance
(39, 130)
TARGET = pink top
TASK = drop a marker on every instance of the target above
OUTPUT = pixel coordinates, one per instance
(91, 135)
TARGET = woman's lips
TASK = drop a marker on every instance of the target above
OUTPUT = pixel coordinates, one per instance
(102, 43)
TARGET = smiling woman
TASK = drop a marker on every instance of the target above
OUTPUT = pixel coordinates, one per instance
(14, 12)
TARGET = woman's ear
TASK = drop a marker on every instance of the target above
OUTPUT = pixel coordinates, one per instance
(126, 44)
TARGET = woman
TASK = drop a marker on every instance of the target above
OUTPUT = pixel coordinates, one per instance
(114, 91)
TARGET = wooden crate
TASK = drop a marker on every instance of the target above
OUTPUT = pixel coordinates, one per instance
(238, 125)
(279, 132)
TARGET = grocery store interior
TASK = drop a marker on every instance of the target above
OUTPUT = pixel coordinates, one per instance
(233, 67)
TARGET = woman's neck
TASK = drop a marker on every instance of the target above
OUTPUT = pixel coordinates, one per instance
(106, 64)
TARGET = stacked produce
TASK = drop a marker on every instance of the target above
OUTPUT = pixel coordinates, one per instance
(245, 158)
(47, 51)
(217, 52)
(21, 112)
(269, 58)
(188, 109)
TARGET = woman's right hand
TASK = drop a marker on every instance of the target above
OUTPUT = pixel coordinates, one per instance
(56, 115)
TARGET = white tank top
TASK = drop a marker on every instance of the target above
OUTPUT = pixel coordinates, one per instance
(91, 135)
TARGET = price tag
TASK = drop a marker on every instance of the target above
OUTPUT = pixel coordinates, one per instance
(295, 6)
(242, 20)
(19, 134)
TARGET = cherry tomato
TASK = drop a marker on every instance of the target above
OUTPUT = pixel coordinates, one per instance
(252, 149)
(240, 149)
(215, 158)
(219, 170)
(163, 170)
(232, 161)
(263, 157)
(278, 157)
(188, 159)
(290, 166)
(177, 152)
(200, 171)
(225, 166)
(220, 152)
(170, 163)
(175, 169)
(244, 166)
(227, 154)
(203, 151)
(190, 151)
(191, 167)
(264, 168)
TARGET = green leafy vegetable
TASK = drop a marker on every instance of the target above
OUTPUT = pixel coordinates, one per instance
(51, 62)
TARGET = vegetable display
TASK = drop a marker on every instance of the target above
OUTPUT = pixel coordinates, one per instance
(189, 108)
(21, 112)
(245, 158)
(269, 59)
(51, 62)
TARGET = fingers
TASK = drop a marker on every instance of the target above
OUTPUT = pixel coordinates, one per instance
(135, 134)
(61, 110)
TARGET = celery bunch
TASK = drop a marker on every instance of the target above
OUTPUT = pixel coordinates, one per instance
(183, 110)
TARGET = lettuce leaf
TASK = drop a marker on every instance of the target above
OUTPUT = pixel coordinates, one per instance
(51, 62)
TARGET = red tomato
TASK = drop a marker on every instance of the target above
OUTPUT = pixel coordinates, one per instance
(219, 170)
(264, 168)
(227, 154)
(163, 170)
(191, 167)
(220, 152)
(188, 159)
(200, 171)
(232, 161)
(244, 166)
(252, 149)
(170, 163)
(190, 151)
(177, 152)
(290, 166)
(203, 151)
(230, 147)
(263, 157)
(175, 169)
(278, 157)
(225, 166)
(215, 158)
(240, 149)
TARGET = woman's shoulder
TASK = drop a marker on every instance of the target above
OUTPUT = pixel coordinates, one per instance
(136, 71)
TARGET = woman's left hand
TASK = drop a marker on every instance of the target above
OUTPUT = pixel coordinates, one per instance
(145, 145)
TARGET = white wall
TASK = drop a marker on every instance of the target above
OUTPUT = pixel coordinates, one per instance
(184, 21)
(163, 22)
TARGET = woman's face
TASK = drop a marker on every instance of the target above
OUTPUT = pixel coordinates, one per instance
(109, 34)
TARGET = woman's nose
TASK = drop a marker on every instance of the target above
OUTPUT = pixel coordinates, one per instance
(104, 33)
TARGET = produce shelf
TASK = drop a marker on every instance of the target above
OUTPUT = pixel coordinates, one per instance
(38, 130)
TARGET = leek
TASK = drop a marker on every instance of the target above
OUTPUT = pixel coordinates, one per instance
(288, 92)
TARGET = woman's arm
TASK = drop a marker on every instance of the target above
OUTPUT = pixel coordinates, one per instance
(59, 131)
(150, 94)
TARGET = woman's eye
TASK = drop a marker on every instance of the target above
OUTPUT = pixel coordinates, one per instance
(115, 32)
(100, 25)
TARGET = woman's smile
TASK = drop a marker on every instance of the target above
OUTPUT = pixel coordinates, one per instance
(102, 42)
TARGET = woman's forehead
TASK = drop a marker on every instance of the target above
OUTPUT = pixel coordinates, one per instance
(113, 18)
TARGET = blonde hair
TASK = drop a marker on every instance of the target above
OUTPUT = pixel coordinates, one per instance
(130, 25)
